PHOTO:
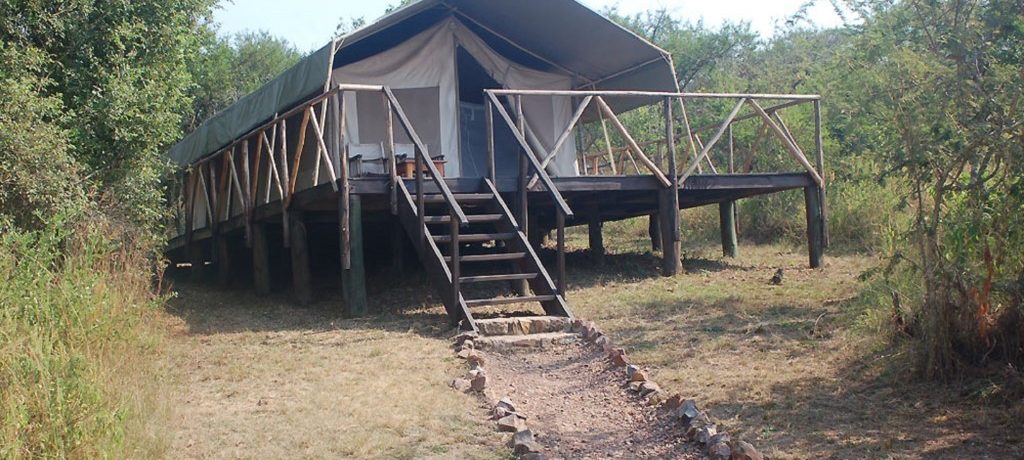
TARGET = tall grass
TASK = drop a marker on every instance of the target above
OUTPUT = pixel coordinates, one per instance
(74, 342)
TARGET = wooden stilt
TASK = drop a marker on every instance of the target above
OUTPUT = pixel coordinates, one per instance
(727, 222)
(301, 274)
(671, 262)
(815, 226)
(260, 260)
(654, 230)
(397, 247)
(223, 261)
(353, 280)
(197, 257)
(596, 238)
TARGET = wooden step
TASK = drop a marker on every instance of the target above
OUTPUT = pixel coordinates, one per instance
(491, 278)
(476, 237)
(473, 218)
(509, 300)
(459, 197)
(504, 256)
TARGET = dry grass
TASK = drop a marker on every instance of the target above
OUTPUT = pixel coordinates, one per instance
(794, 368)
(259, 379)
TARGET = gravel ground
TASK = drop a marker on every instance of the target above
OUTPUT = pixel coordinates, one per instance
(578, 407)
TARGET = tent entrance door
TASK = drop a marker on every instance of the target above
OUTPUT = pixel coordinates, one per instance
(473, 80)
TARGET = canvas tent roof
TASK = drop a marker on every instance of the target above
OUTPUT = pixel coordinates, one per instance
(555, 35)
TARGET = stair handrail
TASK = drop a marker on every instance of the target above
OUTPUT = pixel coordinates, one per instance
(421, 161)
(528, 152)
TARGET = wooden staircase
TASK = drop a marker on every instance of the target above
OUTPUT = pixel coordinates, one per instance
(475, 233)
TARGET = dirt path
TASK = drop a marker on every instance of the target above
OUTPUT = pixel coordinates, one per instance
(578, 408)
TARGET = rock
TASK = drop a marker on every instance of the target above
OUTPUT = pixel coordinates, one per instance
(720, 451)
(479, 382)
(634, 386)
(522, 443)
(656, 398)
(475, 372)
(500, 413)
(604, 342)
(705, 433)
(476, 359)
(630, 370)
(687, 411)
(511, 424)
(673, 402)
(695, 426)
(618, 357)
(742, 450)
(461, 385)
(638, 376)
(470, 335)
(464, 353)
(533, 456)
(506, 403)
(648, 387)
(720, 438)
(776, 278)
(467, 345)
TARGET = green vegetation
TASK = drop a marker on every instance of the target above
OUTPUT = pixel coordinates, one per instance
(924, 134)
(91, 94)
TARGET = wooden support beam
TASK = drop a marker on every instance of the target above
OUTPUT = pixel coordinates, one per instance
(790, 146)
(819, 162)
(815, 226)
(223, 260)
(397, 248)
(727, 223)
(260, 260)
(632, 143)
(197, 256)
(596, 238)
(353, 280)
(654, 230)
(671, 248)
(302, 276)
(711, 143)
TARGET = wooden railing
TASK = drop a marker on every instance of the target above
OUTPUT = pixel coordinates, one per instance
(697, 150)
(234, 171)
(529, 160)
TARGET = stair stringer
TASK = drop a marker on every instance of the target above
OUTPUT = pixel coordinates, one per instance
(433, 260)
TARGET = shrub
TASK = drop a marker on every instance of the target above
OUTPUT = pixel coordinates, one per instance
(73, 341)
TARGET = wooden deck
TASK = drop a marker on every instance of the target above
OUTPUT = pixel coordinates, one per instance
(606, 198)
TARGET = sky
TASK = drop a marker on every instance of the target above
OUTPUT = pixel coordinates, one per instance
(309, 24)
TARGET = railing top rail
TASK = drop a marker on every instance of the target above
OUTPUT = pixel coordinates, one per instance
(533, 92)
(396, 106)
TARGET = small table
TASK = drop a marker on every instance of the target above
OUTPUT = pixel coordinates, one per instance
(407, 167)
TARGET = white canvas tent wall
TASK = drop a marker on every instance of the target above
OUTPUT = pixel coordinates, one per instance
(423, 73)
(565, 42)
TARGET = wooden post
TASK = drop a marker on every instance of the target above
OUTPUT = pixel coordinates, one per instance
(671, 239)
(560, 224)
(301, 275)
(668, 216)
(815, 226)
(197, 257)
(260, 260)
(353, 280)
(820, 164)
(596, 238)
(654, 230)
(223, 261)
(727, 222)
(397, 247)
